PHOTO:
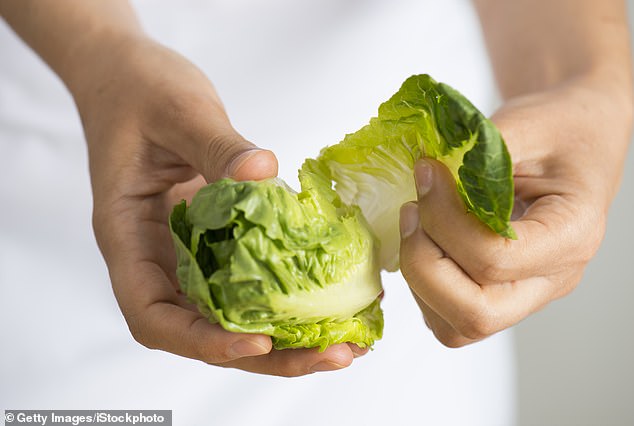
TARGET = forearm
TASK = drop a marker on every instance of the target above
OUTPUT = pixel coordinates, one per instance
(68, 34)
(537, 45)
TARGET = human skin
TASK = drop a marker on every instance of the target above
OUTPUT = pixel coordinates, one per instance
(564, 70)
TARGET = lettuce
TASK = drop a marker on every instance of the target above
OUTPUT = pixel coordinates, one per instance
(372, 168)
(300, 267)
(304, 268)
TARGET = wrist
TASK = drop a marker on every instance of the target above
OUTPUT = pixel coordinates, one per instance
(613, 83)
(94, 60)
(70, 35)
(602, 90)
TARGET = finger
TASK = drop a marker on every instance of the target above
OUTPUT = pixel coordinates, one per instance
(474, 311)
(197, 128)
(156, 320)
(443, 331)
(545, 240)
(296, 362)
(169, 327)
(357, 351)
(423, 264)
(229, 155)
(255, 164)
(151, 308)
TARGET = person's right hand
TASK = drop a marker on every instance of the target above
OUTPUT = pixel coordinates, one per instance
(156, 131)
(568, 144)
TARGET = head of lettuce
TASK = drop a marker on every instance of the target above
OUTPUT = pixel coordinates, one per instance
(300, 267)
(304, 267)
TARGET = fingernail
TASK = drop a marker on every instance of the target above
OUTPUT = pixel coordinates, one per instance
(245, 347)
(325, 366)
(409, 219)
(423, 174)
(237, 163)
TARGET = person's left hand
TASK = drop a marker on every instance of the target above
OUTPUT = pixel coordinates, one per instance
(567, 146)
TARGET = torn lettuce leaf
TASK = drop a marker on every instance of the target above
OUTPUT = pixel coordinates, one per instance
(372, 168)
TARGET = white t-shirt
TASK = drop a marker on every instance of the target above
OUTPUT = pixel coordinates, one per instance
(294, 76)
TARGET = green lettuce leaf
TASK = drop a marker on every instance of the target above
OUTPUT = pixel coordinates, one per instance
(257, 257)
(372, 168)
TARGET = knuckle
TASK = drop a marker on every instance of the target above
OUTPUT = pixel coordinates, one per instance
(450, 338)
(215, 350)
(138, 332)
(564, 285)
(97, 225)
(289, 369)
(408, 270)
(478, 325)
(209, 356)
(413, 269)
(208, 353)
(446, 334)
(492, 268)
(595, 237)
(584, 224)
(294, 372)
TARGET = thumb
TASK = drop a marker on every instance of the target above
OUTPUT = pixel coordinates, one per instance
(235, 157)
(444, 215)
(198, 130)
(417, 250)
(207, 142)
(253, 164)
